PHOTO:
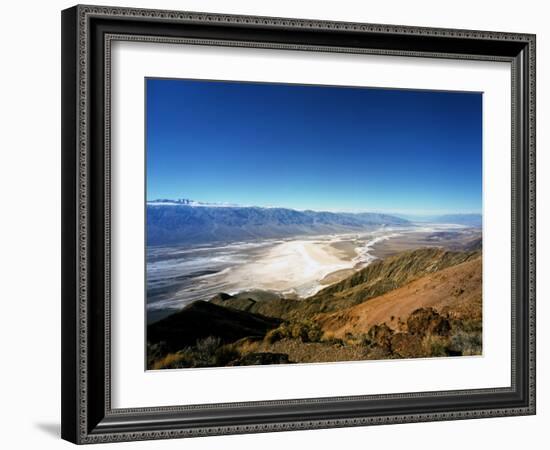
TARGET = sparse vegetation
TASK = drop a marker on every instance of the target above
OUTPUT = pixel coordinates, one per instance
(429, 334)
(236, 330)
(467, 344)
(306, 331)
(208, 352)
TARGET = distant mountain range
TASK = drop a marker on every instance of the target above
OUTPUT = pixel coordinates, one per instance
(188, 202)
(469, 220)
(186, 221)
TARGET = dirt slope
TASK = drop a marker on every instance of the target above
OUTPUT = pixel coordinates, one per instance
(455, 290)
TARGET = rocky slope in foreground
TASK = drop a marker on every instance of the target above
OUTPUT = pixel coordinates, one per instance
(421, 303)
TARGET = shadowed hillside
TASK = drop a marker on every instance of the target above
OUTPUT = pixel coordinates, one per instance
(202, 319)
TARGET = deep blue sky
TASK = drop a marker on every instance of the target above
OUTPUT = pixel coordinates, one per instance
(314, 147)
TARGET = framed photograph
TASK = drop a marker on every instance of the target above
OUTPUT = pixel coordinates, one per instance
(278, 224)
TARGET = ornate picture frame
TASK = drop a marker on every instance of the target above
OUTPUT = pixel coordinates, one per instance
(88, 33)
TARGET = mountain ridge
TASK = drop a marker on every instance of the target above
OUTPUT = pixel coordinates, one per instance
(185, 221)
(474, 220)
(374, 280)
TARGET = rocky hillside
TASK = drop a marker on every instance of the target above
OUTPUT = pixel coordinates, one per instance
(421, 303)
(374, 280)
(454, 291)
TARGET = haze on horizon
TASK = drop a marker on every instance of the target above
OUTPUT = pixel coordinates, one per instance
(314, 147)
(415, 213)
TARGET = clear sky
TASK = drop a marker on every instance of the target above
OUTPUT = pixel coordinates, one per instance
(314, 147)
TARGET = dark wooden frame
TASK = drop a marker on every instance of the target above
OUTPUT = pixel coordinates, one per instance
(87, 32)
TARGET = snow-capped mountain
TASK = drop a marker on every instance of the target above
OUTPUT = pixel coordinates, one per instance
(188, 202)
(186, 221)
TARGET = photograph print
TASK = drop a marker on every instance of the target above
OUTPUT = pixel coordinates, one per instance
(293, 224)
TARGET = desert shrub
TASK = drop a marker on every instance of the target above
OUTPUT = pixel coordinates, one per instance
(405, 345)
(162, 362)
(277, 334)
(424, 321)
(346, 339)
(181, 359)
(247, 345)
(225, 354)
(205, 351)
(306, 331)
(434, 345)
(466, 344)
(379, 335)
(467, 325)
(299, 330)
(401, 325)
(314, 332)
(333, 341)
(262, 358)
(155, 352)
(377, 352)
